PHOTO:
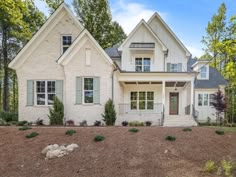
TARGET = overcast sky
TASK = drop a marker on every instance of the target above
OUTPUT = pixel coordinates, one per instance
(187, 18)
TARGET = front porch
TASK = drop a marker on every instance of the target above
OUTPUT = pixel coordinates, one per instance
(157, 100)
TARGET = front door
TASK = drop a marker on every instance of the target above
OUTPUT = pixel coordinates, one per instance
(174, 103)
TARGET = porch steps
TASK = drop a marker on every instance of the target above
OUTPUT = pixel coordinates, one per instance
(179, 121)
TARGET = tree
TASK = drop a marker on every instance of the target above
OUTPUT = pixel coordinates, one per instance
(215, 32)
(53, 4)
(18, 21)
(96, 18)
(56, 113)
(220, 104)
(109, 113)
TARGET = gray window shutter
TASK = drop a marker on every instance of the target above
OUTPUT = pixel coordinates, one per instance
(30, 92)
(59, 89)
(168, 67)
(96, 90)
(179, 67)
(78, 99)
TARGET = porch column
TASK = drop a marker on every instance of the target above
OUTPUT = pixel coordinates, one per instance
(163, 93)
(192, 97)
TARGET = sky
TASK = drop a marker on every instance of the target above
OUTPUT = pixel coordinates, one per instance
(187, 18)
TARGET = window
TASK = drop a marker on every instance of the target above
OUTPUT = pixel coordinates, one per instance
(202, 99)
(174, 67)
(88, 90)
(142, 100)
(203, 72)
(211, 99)
(142, 64)
(45, 91)
(66, 42)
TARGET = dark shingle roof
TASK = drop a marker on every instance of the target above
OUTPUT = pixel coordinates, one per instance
(215, 78)
(113, 52)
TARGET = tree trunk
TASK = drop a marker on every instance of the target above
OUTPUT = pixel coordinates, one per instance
(5, 97)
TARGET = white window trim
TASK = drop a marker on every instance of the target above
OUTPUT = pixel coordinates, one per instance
(83, 96)
(146, 101)
(142, 57)
(62, 41)
(203, 78)
(46, 92)
(208, 99)
(171, 64)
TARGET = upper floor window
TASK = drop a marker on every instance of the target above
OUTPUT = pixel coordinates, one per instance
(174, 67)
(45, 92)
(66, 42)
(203, 72)
(142, 64)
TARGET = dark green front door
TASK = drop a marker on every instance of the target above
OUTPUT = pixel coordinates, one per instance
(174, 103)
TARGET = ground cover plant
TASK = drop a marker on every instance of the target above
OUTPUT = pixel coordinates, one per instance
(32, 135)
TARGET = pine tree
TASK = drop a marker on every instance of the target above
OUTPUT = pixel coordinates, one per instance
(109, 113)
(56, 113)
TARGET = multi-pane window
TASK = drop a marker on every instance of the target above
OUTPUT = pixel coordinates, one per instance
(142, 64)
(203, 72)
(88, 90)
(45, 92)
(142, 100)
(66, 42)
(174, 67)
(211, 99)
(203, 100)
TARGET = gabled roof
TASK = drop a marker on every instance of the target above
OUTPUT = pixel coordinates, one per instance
(41, 34)
(77, 44)
(113, 52)
(215, 78)
(142, 22)
(156, 15)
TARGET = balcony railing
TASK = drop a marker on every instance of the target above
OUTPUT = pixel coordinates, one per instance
(126, 109)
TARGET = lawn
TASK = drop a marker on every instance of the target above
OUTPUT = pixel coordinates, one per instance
(226, 129)
(122, 153)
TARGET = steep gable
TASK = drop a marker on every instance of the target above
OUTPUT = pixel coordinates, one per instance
(62, 21)
(163, 31)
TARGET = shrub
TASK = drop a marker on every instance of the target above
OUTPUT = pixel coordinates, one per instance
(109, 113)
(148, 123)
(220, 132)
(39, 121)
(31, 135)
(97, 123)
(2, 122)
(210, 166)
(22, 123)
(83, 123)
(187, 129)
(9, 116)
(228, 167)
(134, 130)
(170, 138)
(56, 113)
(99, 138)
(136, 123)
(24, 128)
(70, 132)
(125, 123)
(70, 122)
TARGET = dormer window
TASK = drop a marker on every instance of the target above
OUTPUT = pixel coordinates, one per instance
(142, 64)
(203, 72)
(66, 42)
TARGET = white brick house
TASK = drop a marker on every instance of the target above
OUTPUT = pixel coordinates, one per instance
(150, 76)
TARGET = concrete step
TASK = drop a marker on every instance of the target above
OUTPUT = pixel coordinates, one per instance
(179, 121)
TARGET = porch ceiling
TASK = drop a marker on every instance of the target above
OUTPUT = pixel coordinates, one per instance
(175, 84)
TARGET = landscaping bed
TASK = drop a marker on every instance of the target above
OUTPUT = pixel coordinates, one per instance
(121, 153)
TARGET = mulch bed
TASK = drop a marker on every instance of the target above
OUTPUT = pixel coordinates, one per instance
(121, 154)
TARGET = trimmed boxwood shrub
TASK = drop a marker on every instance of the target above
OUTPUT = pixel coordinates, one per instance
(31, 135)
(134, 130)
(136, 123)
(24, 128)
(170, 138)
(70, 132)
(99, 138)
(187, 129)
(220, 132)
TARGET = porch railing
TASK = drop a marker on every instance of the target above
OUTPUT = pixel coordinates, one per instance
(125, 108)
